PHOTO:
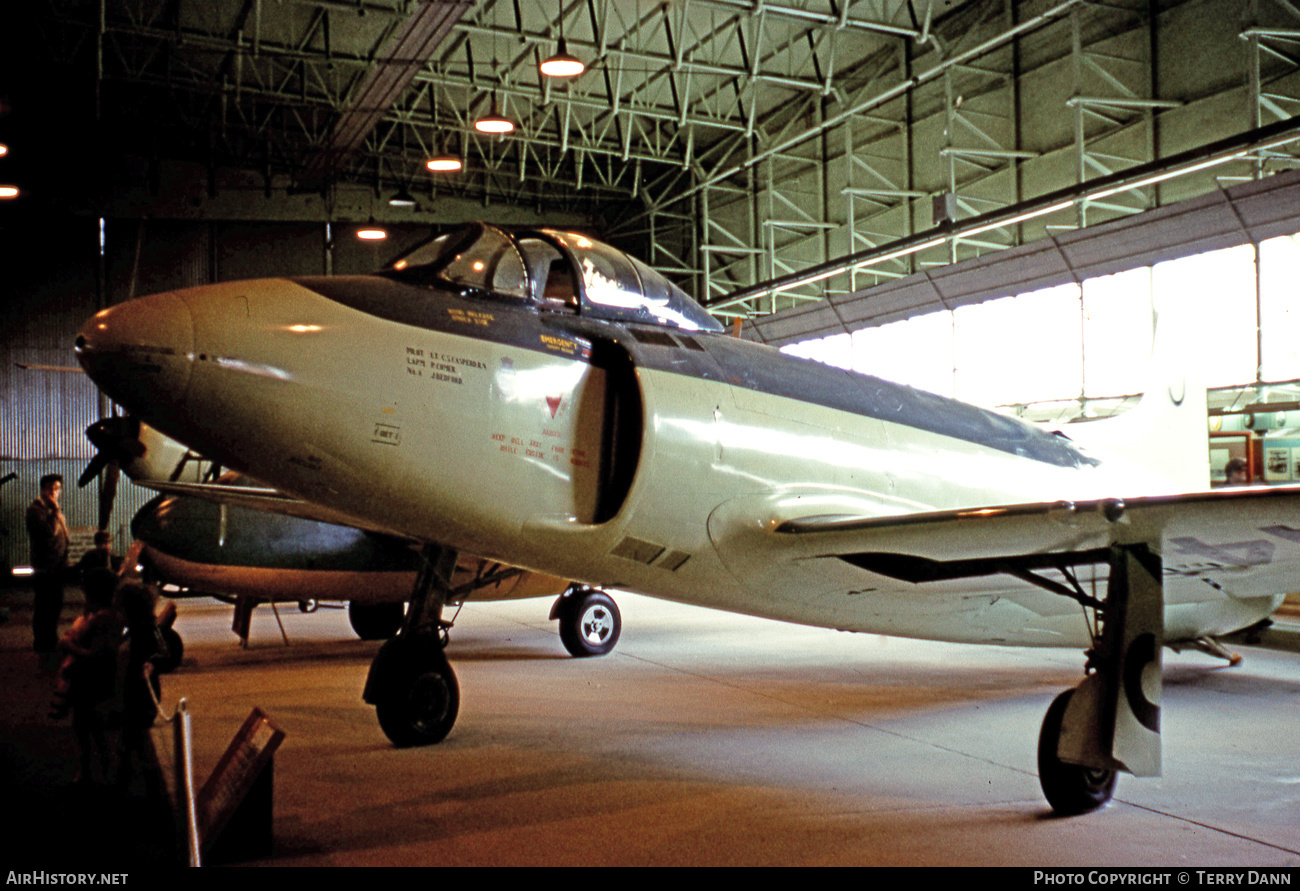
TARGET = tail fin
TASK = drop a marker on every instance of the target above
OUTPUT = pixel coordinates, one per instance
(1166, 433)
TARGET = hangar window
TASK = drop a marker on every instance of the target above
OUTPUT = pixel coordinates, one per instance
(1279, 313)
(1117, 327)
(918, 351)
(1019, 349)
(1213, 295)
(1061, 345)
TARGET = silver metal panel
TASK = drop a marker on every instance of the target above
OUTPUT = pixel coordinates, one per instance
(801, 323)
(1190, 227)
(46, 411)
(1040, 264)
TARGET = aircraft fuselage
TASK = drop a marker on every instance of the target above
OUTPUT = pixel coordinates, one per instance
(617, 454)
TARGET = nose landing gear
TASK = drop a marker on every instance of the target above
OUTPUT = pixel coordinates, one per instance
(411, 684)
(417, 698)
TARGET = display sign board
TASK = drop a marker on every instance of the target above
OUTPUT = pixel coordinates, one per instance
(248, 754)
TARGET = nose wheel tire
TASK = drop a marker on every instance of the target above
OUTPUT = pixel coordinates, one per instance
(590, 623)
(417, 697)
(1070, 788)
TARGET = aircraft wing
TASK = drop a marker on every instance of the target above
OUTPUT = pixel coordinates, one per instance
(261, 498)
(1222, 530)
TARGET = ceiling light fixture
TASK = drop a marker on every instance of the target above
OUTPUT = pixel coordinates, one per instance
(8, 191)
(494, 122)
(4, 149)
(444, 163)
(562, 64)
(440, 161)
(372, 232)
(402, 198)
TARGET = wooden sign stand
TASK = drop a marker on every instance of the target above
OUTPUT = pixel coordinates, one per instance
(235, 804)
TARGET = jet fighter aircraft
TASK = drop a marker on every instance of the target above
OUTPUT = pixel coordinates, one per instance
(546, 401)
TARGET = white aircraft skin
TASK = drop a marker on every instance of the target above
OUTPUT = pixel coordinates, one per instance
(262, 546)
(488, 425)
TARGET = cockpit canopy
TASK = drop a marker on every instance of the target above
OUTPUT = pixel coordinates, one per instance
(557, 271)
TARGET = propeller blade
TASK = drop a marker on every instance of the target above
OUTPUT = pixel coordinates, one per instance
(108, 494)
(117, 442)
(97, 464)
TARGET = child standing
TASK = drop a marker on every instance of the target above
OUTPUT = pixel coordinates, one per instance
(86, 677)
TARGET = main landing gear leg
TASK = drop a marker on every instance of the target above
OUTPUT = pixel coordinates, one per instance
(1111, 721)
(411, 684)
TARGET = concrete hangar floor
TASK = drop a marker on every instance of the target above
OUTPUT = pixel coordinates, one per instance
(705, 738)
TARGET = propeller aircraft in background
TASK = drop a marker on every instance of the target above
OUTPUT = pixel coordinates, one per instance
(261, 556)
(230, 537)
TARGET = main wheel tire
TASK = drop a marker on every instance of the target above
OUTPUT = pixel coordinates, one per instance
(1070, 788)
(375, 621)
(590, 623)
(423, 710)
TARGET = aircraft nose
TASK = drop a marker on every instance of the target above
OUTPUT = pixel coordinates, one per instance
(169, 525)
(140, 352)
(146, 525)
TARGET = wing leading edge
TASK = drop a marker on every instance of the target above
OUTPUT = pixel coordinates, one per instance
(1223, 533)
